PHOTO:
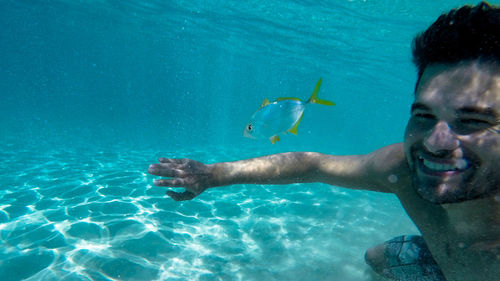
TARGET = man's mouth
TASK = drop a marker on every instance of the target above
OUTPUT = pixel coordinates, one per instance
(436, 166)
(459, 164)
(444, 178)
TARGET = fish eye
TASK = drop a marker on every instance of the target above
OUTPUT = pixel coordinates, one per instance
(249, 127)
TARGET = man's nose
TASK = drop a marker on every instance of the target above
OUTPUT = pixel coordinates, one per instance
(442, 138)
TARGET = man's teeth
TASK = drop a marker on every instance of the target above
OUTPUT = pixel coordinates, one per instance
(459, 165)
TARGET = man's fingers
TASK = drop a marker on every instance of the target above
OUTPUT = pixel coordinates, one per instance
(166, 170)
(170, 182)
(167, 160)
(163, 160)
(172, 160)
(181, 196)
(180, 173)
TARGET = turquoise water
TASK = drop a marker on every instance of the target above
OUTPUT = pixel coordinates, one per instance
(95, 91)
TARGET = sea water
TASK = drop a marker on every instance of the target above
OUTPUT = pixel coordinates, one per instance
(92, 92)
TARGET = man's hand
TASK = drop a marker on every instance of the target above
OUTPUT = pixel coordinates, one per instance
(194, 176)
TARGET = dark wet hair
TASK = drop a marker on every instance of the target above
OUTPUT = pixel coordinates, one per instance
(469, 32)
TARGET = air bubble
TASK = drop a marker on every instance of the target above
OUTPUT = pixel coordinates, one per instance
(392, 178)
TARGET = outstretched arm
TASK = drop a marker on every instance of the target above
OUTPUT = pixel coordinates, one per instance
(382, 170)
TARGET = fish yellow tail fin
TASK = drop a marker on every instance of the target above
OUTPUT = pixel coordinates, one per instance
(314, 97)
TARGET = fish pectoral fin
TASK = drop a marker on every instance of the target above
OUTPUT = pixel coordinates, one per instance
(293, 129)
(264, 103)
(274, 139)
(314, 97)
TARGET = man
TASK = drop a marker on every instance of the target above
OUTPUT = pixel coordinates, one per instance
(445, 173)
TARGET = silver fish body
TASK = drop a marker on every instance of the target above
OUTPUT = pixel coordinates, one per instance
(274, 119)
(280, 117)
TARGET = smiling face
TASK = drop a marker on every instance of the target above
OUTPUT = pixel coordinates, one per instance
(452, 140)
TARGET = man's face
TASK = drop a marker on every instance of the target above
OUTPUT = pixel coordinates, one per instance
(452, 140)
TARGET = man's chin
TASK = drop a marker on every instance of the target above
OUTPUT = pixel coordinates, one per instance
(437, 197)
(444, 193)
(441, 187)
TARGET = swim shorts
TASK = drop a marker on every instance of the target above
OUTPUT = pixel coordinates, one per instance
(408, 258)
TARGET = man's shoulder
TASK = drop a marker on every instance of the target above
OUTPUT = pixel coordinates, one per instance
(390, 165)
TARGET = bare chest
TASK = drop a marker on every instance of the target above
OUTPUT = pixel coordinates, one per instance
(460, 259)
(464, 238)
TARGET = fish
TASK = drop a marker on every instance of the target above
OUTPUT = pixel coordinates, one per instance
(281, 116)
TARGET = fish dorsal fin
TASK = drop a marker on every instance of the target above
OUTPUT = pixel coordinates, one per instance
(274, 139)
(314, 97)
(264, 103)
(293, 129)
(287, 98)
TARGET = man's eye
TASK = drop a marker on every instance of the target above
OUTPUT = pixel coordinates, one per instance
(424, 116)
(470, 125)
(472, 121)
